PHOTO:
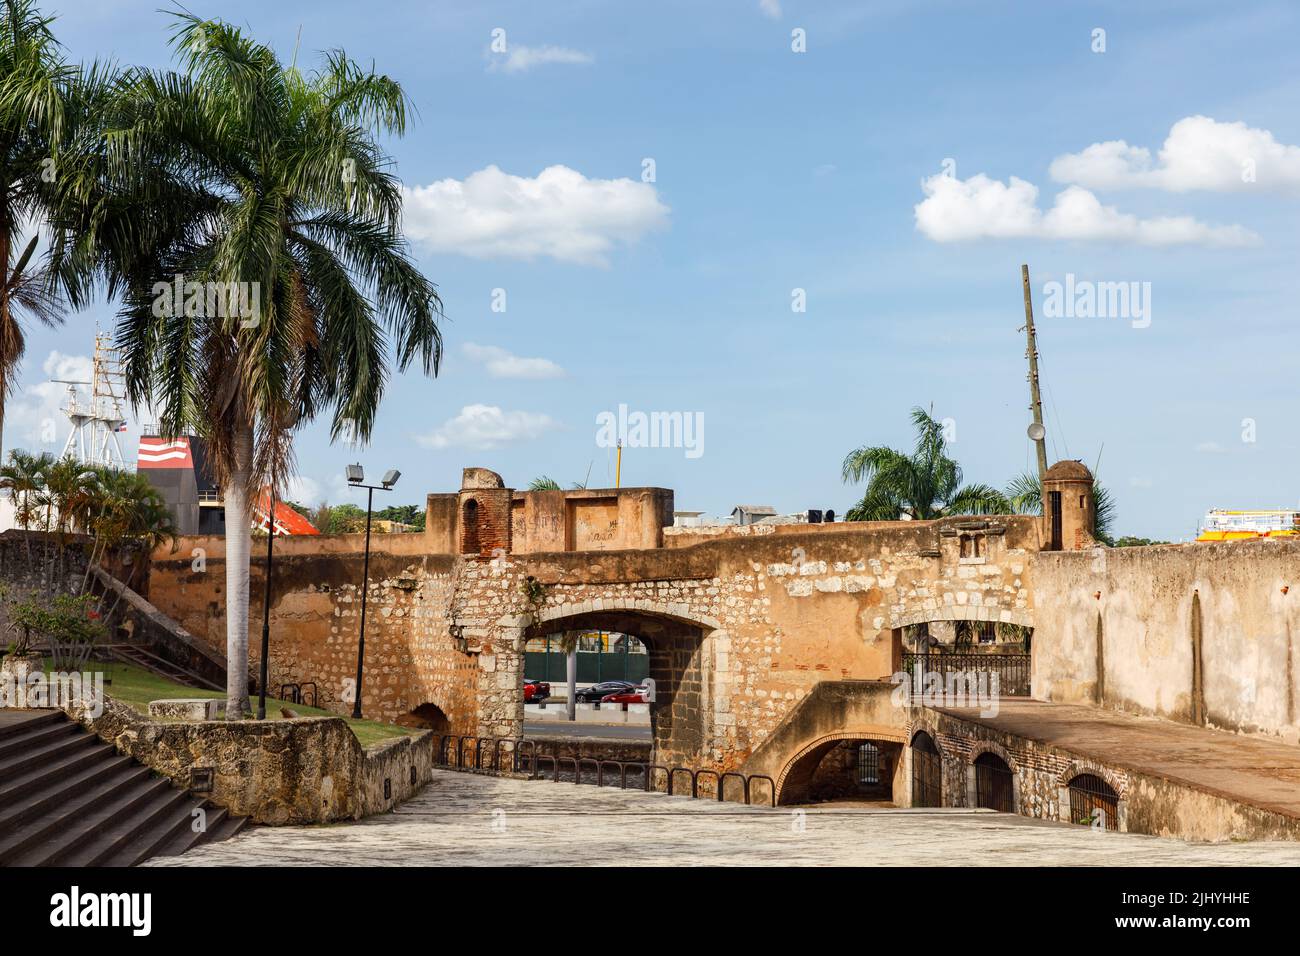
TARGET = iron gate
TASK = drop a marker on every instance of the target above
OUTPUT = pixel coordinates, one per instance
(1093, 802)
(868, 764)
(927, 773)
(993, 784)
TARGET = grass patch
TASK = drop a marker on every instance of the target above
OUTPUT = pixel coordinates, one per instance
(136, 687)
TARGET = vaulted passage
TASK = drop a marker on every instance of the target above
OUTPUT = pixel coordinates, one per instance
(927, 773)
(843, 768)
(679, 670)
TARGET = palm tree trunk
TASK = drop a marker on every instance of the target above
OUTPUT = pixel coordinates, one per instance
(571, 673)
(238, 546)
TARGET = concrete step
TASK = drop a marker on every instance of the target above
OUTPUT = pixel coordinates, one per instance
(90, 825)
(18, 722)
(61, 793)
(44, 775)
(34, 736)
(68, 799)
(46, 752)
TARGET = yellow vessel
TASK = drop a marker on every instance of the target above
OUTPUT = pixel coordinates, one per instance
(1220, 525)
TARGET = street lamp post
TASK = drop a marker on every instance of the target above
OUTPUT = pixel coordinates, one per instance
(356, 479)
(266, 603)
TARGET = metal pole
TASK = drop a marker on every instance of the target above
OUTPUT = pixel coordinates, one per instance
(365, 586)
(266, 603)
(1036, 401)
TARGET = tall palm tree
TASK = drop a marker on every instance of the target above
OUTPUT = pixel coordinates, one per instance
(34, 80)
(21, 476)
(245, 171)
(924, 485)
(1025, 493)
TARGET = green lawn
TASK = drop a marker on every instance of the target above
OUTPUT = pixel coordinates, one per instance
(136, 686)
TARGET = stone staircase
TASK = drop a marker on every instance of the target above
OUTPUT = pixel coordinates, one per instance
(69, 799)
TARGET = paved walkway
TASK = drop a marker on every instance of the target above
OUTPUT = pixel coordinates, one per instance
(1251, 770)
(467, 820)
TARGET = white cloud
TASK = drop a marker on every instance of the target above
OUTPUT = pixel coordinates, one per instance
(304, 490)
(1200, 153)
(559, 213)
(770, 8)
(980, 207)
(487, 426)
(519, 58)
(502, 364)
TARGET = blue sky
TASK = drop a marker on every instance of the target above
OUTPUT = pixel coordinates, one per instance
(776, 171)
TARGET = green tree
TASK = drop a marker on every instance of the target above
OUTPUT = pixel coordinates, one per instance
(34, 84)
(924, 485)
(244, 171)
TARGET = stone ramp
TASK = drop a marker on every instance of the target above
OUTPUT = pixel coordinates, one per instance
(68, 799)
(1249, 771)
(463, 819)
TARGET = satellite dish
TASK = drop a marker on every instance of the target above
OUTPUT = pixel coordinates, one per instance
(1036, 431)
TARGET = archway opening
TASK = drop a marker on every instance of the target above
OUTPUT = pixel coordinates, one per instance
(661, 654)
(927, 772)
(994, 784)
(1093, 802)
(427, 717)
(856, 769)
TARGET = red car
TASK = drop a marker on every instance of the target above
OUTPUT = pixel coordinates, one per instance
(633, 695)
(536, 691)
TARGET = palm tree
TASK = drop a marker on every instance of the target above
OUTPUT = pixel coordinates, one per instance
(546, 483)
(244, 171)
(924, 485)
(22, 477)
(1025, 493)
(34, 80)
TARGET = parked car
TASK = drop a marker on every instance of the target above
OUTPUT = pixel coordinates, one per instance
(594, 693)
(536, 691)
(632, 695)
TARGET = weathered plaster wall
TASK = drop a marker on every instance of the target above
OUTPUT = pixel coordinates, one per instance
(1116, 627)
(739, 628)
(410, 659)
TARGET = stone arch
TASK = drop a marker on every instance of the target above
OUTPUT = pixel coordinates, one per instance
(668, 610)
(681, 645)
(980, 749)
(427, 716)
(1077, 767)
(962, 612)
(793, 780)
(1080, 768)
(991, 747)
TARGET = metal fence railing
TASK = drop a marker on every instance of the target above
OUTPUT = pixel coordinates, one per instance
(1012, 669)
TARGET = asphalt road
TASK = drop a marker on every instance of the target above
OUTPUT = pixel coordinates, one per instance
(562, 728)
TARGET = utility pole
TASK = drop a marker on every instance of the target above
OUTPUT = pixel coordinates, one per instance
(1036, 431)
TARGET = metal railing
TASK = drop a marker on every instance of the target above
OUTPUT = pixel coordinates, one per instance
(297, 693)
(517, 756)
(1012, 669)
